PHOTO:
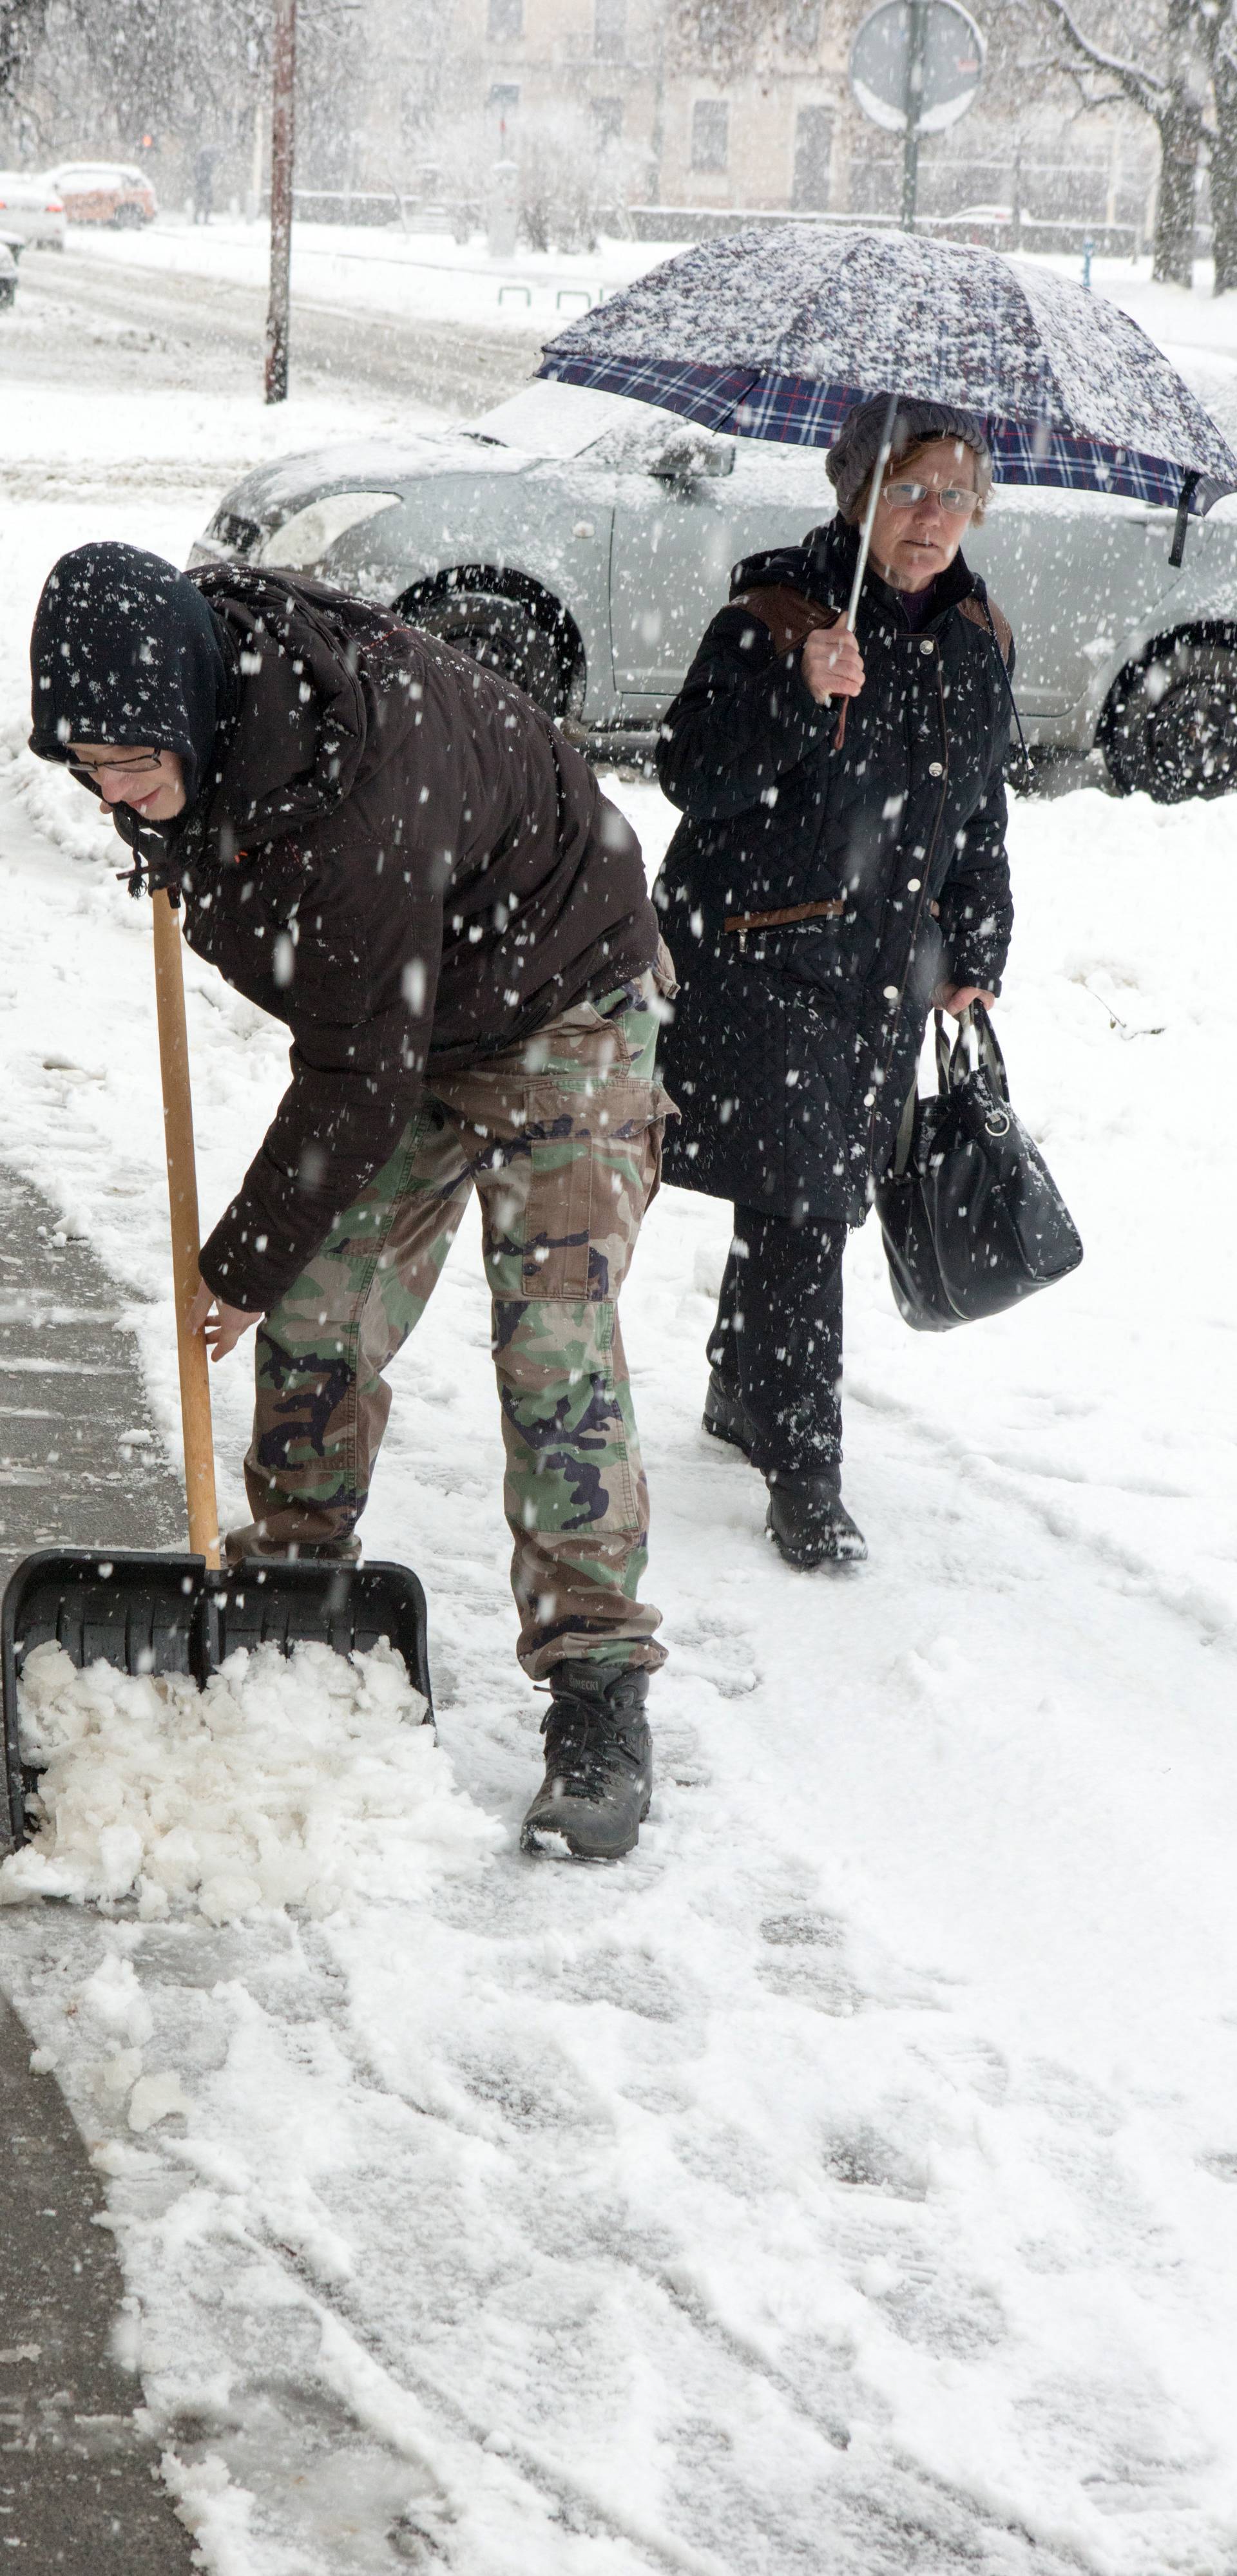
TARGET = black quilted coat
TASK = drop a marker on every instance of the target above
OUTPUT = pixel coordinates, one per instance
(792, 1049)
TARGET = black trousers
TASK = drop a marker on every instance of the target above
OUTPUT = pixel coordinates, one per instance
(777, 1341)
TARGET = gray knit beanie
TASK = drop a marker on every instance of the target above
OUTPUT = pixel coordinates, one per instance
(858, 442)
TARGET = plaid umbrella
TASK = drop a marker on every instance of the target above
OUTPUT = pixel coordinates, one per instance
(776, 333)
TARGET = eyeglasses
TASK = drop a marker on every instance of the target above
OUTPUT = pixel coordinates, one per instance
(954, 501)
(134, 764)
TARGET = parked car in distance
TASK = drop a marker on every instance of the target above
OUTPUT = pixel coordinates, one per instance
(104, 192)
(32, 208)
(581, 541)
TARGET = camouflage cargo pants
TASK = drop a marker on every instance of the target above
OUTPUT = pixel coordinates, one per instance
(560, 1137)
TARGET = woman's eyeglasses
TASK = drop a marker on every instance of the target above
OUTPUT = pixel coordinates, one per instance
(131, 764)
(954, 501)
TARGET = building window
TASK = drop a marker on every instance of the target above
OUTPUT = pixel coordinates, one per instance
(813, 146)
(610, 30)
(506, 20)
(608, 118)
(710, 134)
(803, 25)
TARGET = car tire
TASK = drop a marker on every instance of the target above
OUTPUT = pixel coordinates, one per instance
(8, 290)
(503, 635)
(1170, 728)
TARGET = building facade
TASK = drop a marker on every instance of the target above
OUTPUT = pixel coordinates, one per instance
(712, 108)
(764, 122)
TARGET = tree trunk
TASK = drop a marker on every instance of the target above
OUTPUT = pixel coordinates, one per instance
(1224, 174)
(1180, 124)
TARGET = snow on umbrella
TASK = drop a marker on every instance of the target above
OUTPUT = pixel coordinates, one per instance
(775, 333)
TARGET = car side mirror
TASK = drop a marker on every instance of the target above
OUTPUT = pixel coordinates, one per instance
(692, 457)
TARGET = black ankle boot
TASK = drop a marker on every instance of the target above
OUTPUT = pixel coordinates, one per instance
(599, 1762)
(725, 1418)
(808, 1522)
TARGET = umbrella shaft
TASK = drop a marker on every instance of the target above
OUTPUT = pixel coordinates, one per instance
(869, 516)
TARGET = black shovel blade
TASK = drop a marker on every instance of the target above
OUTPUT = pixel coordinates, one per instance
(146, 1612)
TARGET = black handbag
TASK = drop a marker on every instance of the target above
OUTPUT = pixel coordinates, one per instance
(972, 1218)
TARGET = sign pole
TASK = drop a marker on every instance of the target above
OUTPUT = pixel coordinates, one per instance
(282, 115)
(914, 110)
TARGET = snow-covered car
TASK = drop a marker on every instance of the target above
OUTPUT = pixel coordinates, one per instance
(8, 272)
(105, 192)
(581, 541)
(33, 208)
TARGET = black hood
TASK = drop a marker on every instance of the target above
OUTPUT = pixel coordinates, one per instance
(125, 649)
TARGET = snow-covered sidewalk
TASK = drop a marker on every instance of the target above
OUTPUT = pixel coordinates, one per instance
(848, 2179)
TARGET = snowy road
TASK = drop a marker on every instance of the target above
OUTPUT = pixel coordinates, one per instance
(850, 2180)
(91, 318)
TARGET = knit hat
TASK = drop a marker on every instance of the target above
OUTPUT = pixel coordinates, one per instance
(858, 443)
(126, 650)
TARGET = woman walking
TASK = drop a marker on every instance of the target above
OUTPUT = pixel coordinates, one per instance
(840, 867)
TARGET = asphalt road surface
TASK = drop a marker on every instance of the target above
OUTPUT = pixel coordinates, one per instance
(77, 322)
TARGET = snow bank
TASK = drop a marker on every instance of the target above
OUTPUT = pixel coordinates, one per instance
(302, 1780)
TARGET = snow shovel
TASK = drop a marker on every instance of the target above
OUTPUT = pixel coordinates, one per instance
(150, 1612)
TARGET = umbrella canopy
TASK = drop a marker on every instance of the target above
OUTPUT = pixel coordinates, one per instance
(775, 333)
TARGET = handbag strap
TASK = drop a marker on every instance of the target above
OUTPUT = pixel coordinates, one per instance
(951, 1067)
(906, 1132)
(952, 1063)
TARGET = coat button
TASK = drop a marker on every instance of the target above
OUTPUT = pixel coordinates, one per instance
(927, 646)
(935, 769)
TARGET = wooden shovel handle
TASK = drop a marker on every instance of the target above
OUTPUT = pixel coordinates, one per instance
(186, 1241)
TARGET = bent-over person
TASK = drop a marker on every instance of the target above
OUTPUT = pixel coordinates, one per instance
(840, 867)
(394, 852)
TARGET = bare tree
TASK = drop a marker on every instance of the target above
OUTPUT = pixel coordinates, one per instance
(21, 27)
(1168, 79)
(1224, 155)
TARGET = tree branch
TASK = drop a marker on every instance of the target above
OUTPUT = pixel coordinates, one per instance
(1144, 87)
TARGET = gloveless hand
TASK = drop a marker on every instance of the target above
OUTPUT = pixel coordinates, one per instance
(957, 998)
(832, 663)
(222, 1324)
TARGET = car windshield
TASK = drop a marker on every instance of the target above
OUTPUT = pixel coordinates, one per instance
(548, 419)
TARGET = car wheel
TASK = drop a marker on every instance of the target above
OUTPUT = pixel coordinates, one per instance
(1171, 727)
(503, 635)
(8, 290)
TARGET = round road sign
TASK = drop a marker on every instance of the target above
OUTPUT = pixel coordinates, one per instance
(941, 58)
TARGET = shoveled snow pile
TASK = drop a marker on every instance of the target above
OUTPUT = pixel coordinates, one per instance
(289, 1780)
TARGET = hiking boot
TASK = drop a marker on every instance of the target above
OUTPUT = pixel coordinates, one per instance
(809, 1524)
(724, 1417)
(599, 1762)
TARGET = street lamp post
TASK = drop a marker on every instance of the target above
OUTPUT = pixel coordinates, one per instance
(283, 89)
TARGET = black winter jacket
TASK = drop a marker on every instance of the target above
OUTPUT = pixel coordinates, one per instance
(396, 853)
(792, 1049)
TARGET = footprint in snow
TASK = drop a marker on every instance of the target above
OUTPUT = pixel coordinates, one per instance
(864, 2161)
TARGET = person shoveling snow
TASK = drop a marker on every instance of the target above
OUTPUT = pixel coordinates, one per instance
(395, 852)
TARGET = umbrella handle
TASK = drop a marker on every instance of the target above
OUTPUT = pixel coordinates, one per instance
(186, 1242)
